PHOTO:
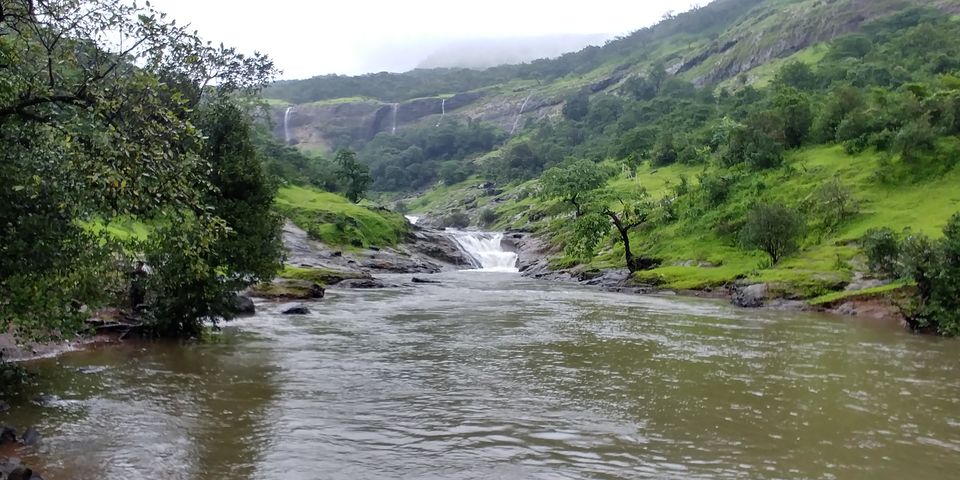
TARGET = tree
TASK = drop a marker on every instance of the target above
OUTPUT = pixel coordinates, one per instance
(753, 147)
(626, 216)
(355, 175)
(625, 211)
(573, 181)
(773, 228)
(664, 152)
(797, 75)
(95, 123)
(794, 108)
(577, 106)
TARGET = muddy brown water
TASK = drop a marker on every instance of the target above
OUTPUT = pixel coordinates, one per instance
(494, 376)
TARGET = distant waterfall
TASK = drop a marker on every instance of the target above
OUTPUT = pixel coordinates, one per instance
(413, 219)
(286, 125)
(485, 250)
(393, 130)
(516, 121)
(443, 110)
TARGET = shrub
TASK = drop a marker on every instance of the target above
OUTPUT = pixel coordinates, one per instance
(488, 216)
(882, 248)
(456, 219)
(773, 228)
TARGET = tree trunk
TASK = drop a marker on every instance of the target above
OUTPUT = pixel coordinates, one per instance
(625, 238)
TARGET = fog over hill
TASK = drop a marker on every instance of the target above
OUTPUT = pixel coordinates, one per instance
(476, 53)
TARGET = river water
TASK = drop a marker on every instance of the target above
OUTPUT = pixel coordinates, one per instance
(489, 375)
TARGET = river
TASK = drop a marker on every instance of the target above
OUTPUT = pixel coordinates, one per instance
(489, 375)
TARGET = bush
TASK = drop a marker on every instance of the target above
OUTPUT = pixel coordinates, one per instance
(456, 219)
(488, 216)
(773, 228)
(882, 248)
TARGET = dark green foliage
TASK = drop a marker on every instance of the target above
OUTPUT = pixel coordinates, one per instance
(487, 217)
(354, 175)
(797, 75)
(94, 130)
(774, 229)
(200, 261)
(577, 106)
(794, 109)
(572, 182)
(417, 158)
(752, 146)
(882, 247)
(664, 152)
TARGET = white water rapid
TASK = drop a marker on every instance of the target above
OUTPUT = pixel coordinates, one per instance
(393, 131)
(485, 250)
(413, 219)
(286, 124)
(443, 110)
(516, 121)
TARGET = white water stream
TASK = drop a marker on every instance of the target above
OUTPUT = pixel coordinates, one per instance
(485, 249)
(286, 124)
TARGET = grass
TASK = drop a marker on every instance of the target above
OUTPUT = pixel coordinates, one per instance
(867, 293)
(334, 220)
(123, 229)
(321, 276)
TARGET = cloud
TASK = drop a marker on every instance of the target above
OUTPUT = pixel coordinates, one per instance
(308, 38)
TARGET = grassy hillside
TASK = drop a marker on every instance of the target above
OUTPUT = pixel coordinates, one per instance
(335, 220)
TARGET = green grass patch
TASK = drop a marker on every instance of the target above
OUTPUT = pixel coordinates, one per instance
(867, 293)
(322, 276)
(334, 220)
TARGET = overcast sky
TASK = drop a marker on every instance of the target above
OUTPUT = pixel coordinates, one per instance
(307, 38)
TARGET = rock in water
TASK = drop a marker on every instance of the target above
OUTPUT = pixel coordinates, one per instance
(751, 296)
(4, 406)
(362, 283)
(30, 437)
(7, 435)
(21, 473)
(243, 305)
(294, 310)
(424, 280)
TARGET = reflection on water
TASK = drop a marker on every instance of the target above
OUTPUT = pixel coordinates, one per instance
(492, 376)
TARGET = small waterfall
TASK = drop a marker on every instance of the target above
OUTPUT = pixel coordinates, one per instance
(443, 110)
(413, 219)
(286, 125)
(393, 130)
(516, 121)
(485, 250)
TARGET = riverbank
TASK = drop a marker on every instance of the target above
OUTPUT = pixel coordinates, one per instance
(868, 300)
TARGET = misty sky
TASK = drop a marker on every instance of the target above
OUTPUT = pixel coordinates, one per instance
(307, 38)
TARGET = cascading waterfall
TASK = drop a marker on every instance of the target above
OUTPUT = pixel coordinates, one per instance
(443, 110)
(393, 131)
(516, 121)
(485, 250)
(413, 219)
(286, 124)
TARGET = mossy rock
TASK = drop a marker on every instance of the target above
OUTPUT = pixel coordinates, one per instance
(321, 276)
(287, 289)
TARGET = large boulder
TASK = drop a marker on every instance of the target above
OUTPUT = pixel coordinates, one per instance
(751, 296)
(243, 305)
